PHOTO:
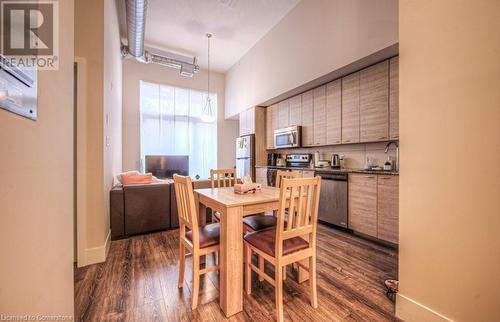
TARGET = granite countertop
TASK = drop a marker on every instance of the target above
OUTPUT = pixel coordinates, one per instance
(333, 170)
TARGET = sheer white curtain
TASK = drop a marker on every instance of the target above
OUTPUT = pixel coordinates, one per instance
(171, 124)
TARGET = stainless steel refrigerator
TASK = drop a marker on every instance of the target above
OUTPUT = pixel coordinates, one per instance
(245, 156)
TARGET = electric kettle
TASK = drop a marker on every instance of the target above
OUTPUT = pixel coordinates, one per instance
(335, 163)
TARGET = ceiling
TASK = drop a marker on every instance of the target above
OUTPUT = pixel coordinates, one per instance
(180, 26)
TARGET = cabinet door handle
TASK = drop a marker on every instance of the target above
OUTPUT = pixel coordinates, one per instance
(382, 138)
(384, 178)
(369, 177)
(347, 141)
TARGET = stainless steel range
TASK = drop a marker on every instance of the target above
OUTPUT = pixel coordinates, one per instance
(298, 160)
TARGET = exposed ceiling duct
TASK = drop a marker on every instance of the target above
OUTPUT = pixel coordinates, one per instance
(136, 27)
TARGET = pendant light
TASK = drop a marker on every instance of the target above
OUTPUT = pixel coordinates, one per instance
(208, 114)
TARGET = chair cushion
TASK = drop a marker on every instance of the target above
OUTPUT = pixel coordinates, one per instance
(208, 235)
(259, 222)
(217, 215)
(265, 240)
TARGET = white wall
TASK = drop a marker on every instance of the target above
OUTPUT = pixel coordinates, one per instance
(89, 44)
(315, 38)
(112, 100)
(449, 74)
(133, 73)
(97, 40)
(36, 193)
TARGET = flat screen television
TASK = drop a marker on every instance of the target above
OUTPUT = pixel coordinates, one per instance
(165, 166)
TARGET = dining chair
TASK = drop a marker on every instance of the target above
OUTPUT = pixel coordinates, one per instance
(290, 242)
(263, 221)
(200, 241)
(221, 178)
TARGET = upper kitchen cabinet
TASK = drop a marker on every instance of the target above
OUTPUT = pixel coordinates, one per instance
(374, 103)
(271, 125)
(243, 123)
(394, 98)
(334, 112)
(307, 119)
(253, 121)
(283, 114)
(350, 108)
(295, 114)
(247, 122)
(319, 106)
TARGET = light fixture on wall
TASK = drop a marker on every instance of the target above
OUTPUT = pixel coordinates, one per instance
(208, 113)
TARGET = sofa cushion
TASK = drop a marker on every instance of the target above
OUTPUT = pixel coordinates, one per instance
(137, 178)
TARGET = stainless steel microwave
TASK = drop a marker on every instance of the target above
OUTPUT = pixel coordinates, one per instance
(288, 137)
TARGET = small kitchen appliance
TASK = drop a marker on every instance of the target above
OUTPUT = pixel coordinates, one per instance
(335, 162)
(288, 137)
(272, 159)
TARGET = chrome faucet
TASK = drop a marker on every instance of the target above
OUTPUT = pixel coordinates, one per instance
(397, 152)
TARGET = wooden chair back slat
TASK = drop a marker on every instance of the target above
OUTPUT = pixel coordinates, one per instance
(302, 220)
(223, 178)
(186, 206)
(301, 214)
(282, 174)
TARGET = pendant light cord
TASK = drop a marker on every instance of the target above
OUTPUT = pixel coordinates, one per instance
(208, 84)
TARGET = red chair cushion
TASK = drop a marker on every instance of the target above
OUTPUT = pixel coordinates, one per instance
(208, 235)
(259, 222)
(265, 241)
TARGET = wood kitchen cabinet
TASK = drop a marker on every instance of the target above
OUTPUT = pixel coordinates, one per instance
(394, 98)
(319, 117)
(360, 107)
(247, 122)
(295, 110)
(374, 103)
(271, 125)
(243, 123)
(283, 114)
(307, 119)
(374, 205)
(363, 203)
(334, 112)
(388, 208)
(350, 108)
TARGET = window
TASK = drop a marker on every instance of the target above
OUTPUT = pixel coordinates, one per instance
(172, 124)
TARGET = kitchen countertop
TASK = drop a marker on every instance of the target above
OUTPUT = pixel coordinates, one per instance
(333, 170)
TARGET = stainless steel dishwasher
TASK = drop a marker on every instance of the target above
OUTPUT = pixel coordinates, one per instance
(333, 199)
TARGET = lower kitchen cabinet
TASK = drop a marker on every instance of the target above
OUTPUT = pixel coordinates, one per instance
(374, 206)
(388, 208)
(363, 203)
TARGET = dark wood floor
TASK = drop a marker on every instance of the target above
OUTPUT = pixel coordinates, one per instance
(138, 282)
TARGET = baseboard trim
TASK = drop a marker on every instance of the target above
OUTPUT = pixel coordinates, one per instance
(98, 254)
(410, 310)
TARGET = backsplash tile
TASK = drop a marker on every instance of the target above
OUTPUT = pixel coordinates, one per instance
(354, 154)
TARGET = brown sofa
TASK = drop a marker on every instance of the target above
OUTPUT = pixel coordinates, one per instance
(137, 209)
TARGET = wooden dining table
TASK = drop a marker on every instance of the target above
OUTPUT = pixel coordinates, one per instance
(233, 207)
